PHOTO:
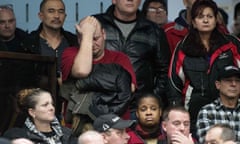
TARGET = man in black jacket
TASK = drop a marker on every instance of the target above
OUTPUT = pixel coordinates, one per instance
(50, 39)
(10, 36)
(13, 74)
(103, 79)
(143, 41)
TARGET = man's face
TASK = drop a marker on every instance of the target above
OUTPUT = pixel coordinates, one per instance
(126, 7)
(98, 42)
(229, 87)
(116, 136)
(7, 24)
(156, 13)
(178, 121)
(213, 136)
(53, 14)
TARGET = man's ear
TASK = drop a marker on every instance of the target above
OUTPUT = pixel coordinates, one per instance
(104, 138)
(137, 115)
(217, 84)
(40, 16)
(164, 125)
(104, 33)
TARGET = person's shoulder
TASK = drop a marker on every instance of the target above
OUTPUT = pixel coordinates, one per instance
(169, 25)
(134, 138)
(20, 32)
(66, 130)
(115, 53)
(231, 37)
(69, 33)
(173, 26)
(211, 106)
(15, 133)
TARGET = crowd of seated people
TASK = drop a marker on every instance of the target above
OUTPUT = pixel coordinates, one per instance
(126, 76)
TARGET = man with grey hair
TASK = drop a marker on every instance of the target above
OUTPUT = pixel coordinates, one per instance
(220, 134)
(10, 36)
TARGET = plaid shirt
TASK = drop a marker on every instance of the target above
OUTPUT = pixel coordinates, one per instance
(215, 113)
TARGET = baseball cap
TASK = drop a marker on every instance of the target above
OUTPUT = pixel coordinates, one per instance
(229, 71)
(107, 121)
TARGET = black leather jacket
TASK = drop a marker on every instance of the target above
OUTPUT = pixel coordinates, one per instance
(32, 44)
(24, 132)
(147, 48)
(111, 85)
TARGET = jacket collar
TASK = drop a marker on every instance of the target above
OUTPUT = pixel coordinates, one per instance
(55, 125)
(219, 105)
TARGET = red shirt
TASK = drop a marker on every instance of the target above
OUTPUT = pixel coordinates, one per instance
(120, 58)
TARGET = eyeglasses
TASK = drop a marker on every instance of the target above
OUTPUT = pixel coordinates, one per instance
(160, 10)
(6, 6)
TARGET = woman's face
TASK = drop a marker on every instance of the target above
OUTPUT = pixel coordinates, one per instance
(44, 110)
(205, 21)
(149, 112)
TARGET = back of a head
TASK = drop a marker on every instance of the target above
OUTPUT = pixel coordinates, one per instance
(224, 15)
(227, 134)
(90, 137)
(21, 141)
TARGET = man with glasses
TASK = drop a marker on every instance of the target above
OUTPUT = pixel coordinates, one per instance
(113, 128)
(10, 36)
(155, 11)
(225, 109)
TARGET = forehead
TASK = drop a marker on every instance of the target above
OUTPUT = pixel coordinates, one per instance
(148, 100)
(178, 115)
(98, 30)
(6, 13)
(44, 97)
(55, 4)
(155, 5)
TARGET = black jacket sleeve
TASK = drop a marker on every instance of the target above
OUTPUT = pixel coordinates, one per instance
(112, 87)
